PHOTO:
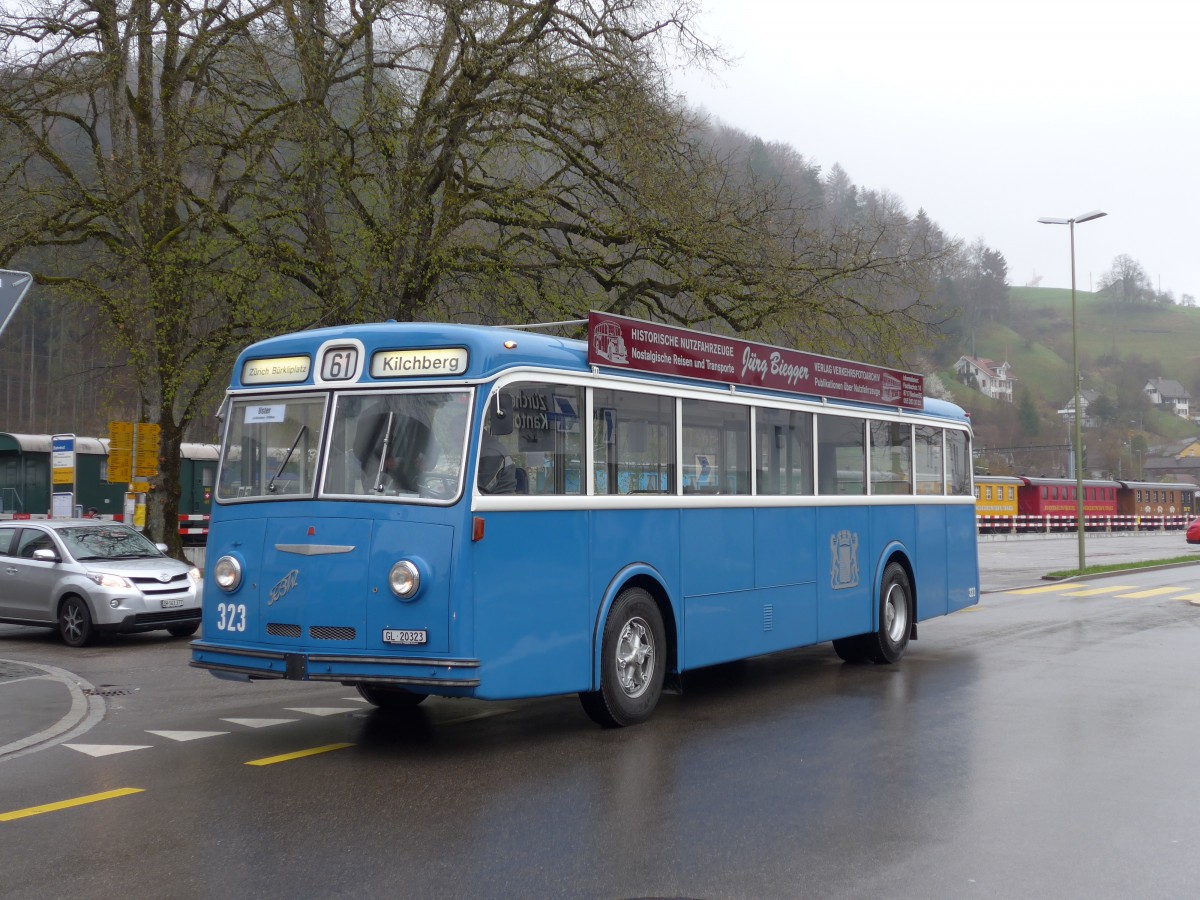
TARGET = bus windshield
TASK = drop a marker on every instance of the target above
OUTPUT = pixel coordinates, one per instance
(403, 443)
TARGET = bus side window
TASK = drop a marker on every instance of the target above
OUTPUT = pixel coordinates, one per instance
(540, 449)
(783, 442)
(634, 443)
(841, 455)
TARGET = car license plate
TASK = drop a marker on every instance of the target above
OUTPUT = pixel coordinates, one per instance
(171, 604)
(393, 636)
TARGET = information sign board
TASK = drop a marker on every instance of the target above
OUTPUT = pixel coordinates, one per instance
(62, 459)
(146, 444)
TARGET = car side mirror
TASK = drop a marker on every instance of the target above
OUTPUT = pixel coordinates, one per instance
(162, 548)
(45, 555)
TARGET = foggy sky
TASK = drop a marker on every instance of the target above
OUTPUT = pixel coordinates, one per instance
(988, 115)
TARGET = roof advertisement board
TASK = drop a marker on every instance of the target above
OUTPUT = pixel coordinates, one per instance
(666, 350)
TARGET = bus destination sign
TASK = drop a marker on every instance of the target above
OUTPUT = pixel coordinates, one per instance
(667, 350)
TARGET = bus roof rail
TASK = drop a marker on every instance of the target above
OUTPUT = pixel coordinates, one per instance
(536, 325)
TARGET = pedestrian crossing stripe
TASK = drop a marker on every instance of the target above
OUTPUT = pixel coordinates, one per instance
(1043, 589)
(1151, 592)
(1092, 592)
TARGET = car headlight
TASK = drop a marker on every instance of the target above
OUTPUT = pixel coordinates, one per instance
(195, 575)
(104, 579)
(227, 573)
(405, 579)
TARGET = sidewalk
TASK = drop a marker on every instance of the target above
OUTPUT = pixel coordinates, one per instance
(39, 704)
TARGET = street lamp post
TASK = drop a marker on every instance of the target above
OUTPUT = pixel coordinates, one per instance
(1070, 223)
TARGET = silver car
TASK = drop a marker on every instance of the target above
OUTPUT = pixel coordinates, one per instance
(85, 576)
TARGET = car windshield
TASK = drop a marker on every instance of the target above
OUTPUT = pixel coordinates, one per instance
(90, 542)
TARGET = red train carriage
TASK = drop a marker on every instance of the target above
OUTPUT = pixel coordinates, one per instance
(1043, 497)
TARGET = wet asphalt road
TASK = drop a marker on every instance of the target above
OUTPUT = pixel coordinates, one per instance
(1042, 744)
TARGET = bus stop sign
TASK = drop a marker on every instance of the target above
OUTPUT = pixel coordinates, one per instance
(13, 286)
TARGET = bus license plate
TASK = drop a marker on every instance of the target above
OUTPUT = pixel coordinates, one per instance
(391, 636)
(171, 604)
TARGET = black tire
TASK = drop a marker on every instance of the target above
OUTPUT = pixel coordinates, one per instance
(853, 650)
(889, 641)
(390, 697)
(633, 662)
(75, 622)
(183, 630)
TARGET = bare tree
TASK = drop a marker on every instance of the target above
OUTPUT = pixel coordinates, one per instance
(134, 147)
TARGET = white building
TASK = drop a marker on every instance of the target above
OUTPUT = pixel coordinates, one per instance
(1169, 396)
(989, 378)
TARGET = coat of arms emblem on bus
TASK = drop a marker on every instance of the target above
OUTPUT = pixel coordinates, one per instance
(844, 571)
(609, 343)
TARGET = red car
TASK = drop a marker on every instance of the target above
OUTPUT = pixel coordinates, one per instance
(1193, 532)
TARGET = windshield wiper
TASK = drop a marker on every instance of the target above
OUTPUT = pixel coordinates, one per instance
(383, 453)
(286, 459)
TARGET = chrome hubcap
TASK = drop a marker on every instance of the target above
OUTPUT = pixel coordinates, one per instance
(895, 613)
(635, 657)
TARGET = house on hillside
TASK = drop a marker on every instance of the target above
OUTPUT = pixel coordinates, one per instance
(991, 379)
(1169, 396)
(1086, 399)
(1177, 461)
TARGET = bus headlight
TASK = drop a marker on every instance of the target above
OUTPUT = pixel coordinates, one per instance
(405, 579)
(227, 573)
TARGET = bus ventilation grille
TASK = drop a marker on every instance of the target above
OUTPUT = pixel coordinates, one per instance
(331, 633)
(768, 617)
(280, 630)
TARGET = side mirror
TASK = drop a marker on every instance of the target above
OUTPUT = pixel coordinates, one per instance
(45, 555)
(162, 548)
(500, 414)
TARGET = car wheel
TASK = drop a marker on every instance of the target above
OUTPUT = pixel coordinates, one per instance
(75, 622)
(632, 662)
(389, 697)
(183, 630)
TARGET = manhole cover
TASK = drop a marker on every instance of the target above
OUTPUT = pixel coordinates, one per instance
(103, 691)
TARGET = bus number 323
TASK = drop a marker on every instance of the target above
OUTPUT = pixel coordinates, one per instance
(231, 616)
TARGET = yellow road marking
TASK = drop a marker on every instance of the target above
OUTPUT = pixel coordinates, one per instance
(1152, 592)
(67, 804)
(1189, 597)
(1044, 589)
(299, 754)
(1091, 592)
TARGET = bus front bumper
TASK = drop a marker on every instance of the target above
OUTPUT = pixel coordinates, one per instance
(436, 675)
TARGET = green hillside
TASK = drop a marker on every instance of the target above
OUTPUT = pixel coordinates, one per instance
(1120, 349)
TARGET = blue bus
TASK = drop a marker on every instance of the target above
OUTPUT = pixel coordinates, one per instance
(420, 509)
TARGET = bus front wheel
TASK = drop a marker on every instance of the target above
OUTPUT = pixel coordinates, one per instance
(389, 697)
(632, 662)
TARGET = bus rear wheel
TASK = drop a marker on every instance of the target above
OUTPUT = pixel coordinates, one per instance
(888, 642)
(389, 697)
(632, 662)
